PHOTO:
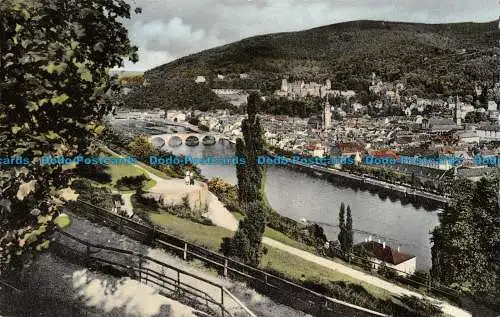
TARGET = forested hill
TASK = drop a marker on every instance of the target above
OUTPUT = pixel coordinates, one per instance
(430, 58)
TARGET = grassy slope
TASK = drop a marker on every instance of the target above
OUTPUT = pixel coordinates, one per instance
(290, 265)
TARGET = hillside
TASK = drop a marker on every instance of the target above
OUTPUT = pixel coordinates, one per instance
(429, 58)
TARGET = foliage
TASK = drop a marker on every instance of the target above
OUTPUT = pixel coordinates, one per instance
(386, 271)
(295, 108)
(98, 196)
(250, 174)
(180, 94)
(246, 243)
(54, 76)
(475, 117)
(346, 235)
(421, 306)
(342, 228)
(466, 243)
(349, 239)
(95, 172)
(141, 148)
(131, 182)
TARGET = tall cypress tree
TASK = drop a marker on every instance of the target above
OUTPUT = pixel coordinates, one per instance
(342, 231)
(246, 243)
(241, 171)
(349, 240)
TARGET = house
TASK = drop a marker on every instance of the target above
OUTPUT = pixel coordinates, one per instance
(316, 149)
(200, 79)
(346, 149)
(380, 253)
(315, 122)
(439, 124)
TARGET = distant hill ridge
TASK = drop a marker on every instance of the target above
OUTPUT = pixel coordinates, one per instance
(429, 58)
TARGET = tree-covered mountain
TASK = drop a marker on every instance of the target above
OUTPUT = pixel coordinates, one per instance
(430, 58)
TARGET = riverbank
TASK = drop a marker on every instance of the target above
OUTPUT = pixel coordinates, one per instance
(405, 191)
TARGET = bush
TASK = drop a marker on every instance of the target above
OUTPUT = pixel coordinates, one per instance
(421, 306)
(94, 172)
(387, 272)
(132, 182)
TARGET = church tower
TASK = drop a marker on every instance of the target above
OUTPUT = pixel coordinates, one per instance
(328, 84)
(327, 114)
(458, 112)
(284, 85)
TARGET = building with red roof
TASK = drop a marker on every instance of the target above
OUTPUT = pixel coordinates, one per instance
(381, 253)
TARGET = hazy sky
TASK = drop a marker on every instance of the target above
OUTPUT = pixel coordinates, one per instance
(169, 29)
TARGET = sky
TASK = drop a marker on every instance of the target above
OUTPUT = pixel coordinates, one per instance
(169, 29)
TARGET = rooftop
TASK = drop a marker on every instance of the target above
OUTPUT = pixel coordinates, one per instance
(386, 254)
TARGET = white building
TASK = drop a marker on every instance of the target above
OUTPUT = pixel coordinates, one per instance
(492, 106)
(200, 79)
(176, 116)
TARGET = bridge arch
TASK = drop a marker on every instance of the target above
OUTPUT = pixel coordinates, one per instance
(176, 139)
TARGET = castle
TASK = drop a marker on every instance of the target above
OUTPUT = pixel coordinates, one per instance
(300, 89)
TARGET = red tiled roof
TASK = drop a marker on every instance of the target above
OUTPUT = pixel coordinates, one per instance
(388, 153)
(386, 254)
(350, 147)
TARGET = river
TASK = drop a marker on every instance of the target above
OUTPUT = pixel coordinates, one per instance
(299, 195)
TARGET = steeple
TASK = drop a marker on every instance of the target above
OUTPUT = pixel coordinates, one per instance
(327, 114)
(458, 112)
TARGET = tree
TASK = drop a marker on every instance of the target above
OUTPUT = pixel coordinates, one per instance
(464, 244)
(142, 148)
(241, 172)
(349, 241)
(342, 228)
(245, 244)
(54, 76)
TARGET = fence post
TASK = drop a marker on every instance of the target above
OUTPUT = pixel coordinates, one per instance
(140, 269)
(185, 250)
(222, 301)
(225, 267)
(179, 280)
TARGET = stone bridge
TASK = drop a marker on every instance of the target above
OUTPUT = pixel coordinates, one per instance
(190, 139)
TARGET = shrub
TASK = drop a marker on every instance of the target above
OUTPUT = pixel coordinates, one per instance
(421, 306)
(132, 182)
(94, 172)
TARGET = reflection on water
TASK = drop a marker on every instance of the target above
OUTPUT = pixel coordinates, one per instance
(400, 223)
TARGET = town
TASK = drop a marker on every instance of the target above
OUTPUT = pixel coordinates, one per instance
(436, 133)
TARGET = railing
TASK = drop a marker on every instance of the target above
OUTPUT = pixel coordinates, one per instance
(174, 287)
(284, 291)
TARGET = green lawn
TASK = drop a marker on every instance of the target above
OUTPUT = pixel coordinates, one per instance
(117, 171)
(196, 233)
(278, 236)
(154, 171)
(297, 268)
